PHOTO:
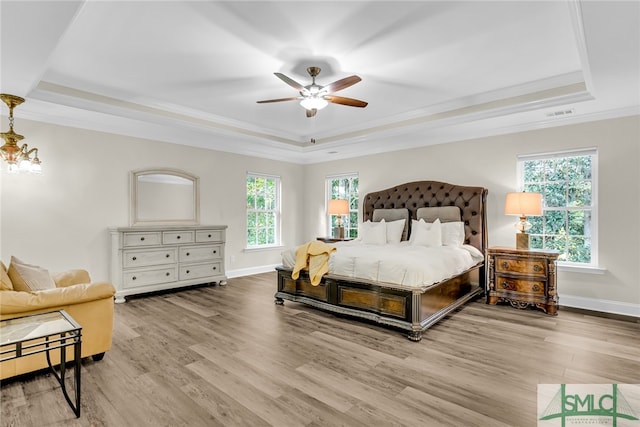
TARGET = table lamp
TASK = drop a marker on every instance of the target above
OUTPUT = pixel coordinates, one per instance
(523, 204)
(338, 207)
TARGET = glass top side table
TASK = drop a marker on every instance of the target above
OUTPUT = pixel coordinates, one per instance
(42, 333)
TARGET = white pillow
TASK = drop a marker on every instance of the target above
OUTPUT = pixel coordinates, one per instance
(28, 277)
(394, 231)
(452, 233)
(373, 233)
(426, 234)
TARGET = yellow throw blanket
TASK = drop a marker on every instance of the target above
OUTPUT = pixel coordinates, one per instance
(314, 256)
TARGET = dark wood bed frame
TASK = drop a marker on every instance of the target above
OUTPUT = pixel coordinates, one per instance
(403, 307)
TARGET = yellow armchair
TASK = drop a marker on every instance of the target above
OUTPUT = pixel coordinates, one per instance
(90, 304)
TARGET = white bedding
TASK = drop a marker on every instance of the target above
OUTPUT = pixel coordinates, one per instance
(400, 264)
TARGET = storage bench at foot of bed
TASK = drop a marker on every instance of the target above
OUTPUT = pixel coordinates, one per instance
(411, 309)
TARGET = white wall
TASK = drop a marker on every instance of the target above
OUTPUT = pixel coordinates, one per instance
(491, 162)
(59, 220)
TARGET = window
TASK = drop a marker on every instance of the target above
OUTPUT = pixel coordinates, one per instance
(263, 210)
(344, 187)
(568, 223)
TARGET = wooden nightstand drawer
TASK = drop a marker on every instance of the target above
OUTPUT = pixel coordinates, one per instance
(517, 285)
(521, 265)
(523, 278)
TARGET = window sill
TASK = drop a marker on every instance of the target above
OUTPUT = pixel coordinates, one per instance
(570, 268)
(263, 248)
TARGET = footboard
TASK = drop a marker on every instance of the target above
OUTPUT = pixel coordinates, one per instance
(411, 309)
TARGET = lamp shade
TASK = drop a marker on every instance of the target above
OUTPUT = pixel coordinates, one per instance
(338, 207)
(523, 204)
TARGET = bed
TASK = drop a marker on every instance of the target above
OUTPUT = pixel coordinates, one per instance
(412, 305)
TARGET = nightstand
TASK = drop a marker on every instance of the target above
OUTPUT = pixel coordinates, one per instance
(523, 277)
(333, 239)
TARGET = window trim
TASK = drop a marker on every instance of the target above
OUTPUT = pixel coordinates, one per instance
(278, 225)
(327, 195)
(593, 266)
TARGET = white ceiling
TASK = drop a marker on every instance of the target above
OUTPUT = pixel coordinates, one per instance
(432, 71)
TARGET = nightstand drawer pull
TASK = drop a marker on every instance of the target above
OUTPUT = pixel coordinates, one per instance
(535, 288)
(134, 258)
(505, 285)
(505, 264)
(537, 268)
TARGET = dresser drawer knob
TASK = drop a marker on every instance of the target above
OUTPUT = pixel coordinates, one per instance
(215, 252)
(188, 271)
(142, 239)
(188, 254)
(167, 255)
(209, 236)
(134, 278)
(537, 268)
(505, 285)
(167, 273)
(505, 264)
(214, 268)
(134, 258)
(178, 237)
(535, 288)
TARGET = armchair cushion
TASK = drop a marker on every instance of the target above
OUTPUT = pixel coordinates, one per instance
(29, 277)
(5, 281)
(22, 302)
(71, 277)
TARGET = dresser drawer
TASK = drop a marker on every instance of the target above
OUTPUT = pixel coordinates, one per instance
(143, 258)
(173, 237)
(134, 279)
(519, 285)
(142, 239)
(204, 236)
(199, 271)
(200, 253)
(521, 265)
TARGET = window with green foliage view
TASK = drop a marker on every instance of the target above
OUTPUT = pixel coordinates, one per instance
(263, 210)
(568, 221)
(344, 187)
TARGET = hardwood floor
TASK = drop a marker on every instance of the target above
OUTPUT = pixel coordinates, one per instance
(228, 356)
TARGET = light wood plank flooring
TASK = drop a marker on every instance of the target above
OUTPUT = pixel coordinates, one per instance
(228, 356)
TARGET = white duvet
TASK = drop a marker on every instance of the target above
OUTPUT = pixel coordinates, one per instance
(399, 264)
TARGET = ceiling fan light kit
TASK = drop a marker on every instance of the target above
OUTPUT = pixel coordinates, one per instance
(315, 97)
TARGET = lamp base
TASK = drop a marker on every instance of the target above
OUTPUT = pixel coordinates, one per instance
(522, 241)
(338, 232)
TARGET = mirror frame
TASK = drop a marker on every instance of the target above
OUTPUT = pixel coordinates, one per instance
(133, 202)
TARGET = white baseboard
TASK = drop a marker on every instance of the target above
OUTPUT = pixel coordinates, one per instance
(251, 270)
(606, 306)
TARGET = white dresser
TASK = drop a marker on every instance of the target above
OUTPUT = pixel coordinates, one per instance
(153, 258)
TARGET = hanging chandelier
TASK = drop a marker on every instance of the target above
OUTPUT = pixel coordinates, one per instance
(18, 157)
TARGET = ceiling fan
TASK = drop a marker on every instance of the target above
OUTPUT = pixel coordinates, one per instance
(314, 97)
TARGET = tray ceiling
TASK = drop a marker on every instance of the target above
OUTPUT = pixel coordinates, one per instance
(432, 71)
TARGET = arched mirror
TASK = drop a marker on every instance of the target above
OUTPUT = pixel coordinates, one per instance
(164, 196)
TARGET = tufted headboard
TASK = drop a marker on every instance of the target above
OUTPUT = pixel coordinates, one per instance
(420, 194)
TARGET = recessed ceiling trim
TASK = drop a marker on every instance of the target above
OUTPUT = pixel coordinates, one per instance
(546, 98)
(575, 13)
(63, 95)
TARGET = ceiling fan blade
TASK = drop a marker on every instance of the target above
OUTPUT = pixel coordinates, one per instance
(345, 101)
(312, 112)
(279, 100)
(294, 84)
(342, 84)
